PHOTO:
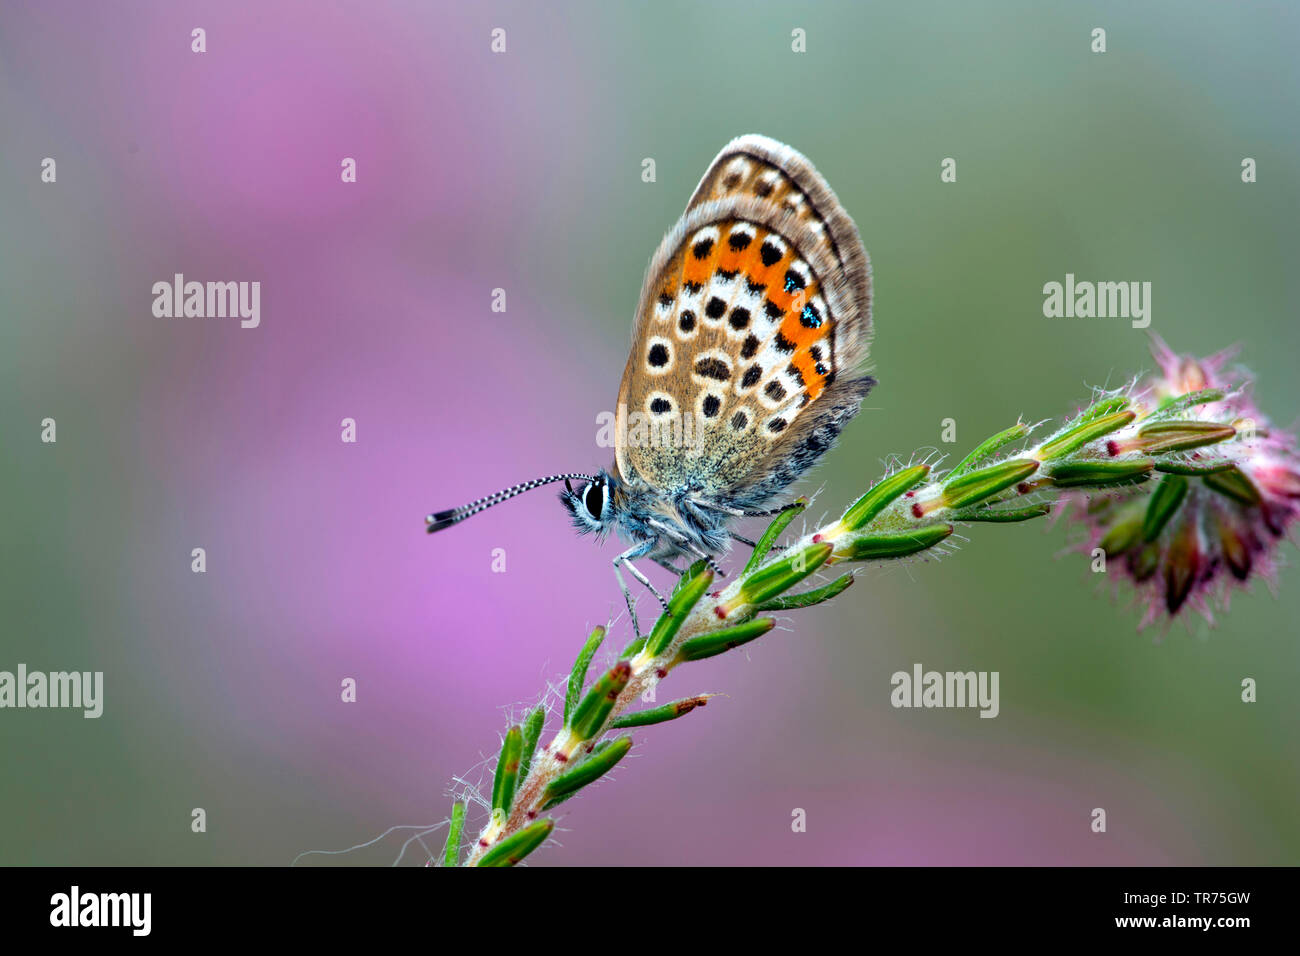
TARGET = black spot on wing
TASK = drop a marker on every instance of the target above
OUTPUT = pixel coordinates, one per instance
(713, 368)
(816, 443)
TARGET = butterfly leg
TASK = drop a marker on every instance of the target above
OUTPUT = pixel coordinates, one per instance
(739, 513)
(636, 551)
(686, 544)
(669, 566)
(708, 558)
(754, 544)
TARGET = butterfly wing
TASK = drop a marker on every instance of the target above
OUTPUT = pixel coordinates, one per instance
(755, 311)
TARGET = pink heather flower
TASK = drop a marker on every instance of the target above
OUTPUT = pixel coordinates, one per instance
(1190, 539)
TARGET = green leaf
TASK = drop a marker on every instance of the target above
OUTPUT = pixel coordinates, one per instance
(1191, 468)
(1002, 515)
(451, 849)
(590, 714)
(881, 495)
(532, 734)
(507, 775)
(633, 649)
(764, 544)
(792, 602)
(897, 544)
(515, 847)
(710, 645)
(578, 677)
(1074, 474)
(1178, 404)
(590, 770)
(780, 576)
(986, 482)
(1163, 437)
(658, 715)
(989, 447)
(1101, 408)
(680, 604)
(1235, 485)
(688, 575)
(1122, 535)
(1075, 438)
(1163, 505)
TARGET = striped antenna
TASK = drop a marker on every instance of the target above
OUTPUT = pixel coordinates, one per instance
(445, 519)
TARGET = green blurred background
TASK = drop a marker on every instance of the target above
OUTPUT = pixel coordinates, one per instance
(523, 170)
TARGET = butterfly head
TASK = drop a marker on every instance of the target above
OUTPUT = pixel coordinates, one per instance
(593, 504)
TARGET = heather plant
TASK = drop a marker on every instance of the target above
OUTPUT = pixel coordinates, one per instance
(1178, 480)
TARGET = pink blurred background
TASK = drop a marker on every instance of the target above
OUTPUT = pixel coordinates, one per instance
(522, 171)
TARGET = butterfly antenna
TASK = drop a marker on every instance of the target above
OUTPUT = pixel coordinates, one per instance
(445, 519)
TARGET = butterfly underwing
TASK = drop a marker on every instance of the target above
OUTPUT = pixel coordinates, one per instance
(753, 321)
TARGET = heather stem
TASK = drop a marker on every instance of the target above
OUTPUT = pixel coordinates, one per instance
(1116, 443)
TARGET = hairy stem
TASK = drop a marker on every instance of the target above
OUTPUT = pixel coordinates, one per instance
(1116, 443)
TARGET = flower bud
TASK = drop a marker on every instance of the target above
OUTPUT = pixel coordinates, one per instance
(1214, 520)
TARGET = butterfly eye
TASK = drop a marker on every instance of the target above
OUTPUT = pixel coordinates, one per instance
(594, 499)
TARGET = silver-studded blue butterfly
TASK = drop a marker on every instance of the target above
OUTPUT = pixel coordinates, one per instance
(754, 316)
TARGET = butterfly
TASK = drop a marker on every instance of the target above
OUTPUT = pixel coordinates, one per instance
(753, 318)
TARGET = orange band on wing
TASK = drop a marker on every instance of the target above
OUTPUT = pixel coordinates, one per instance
(698, 271)
(814, 382)
(731, 259)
